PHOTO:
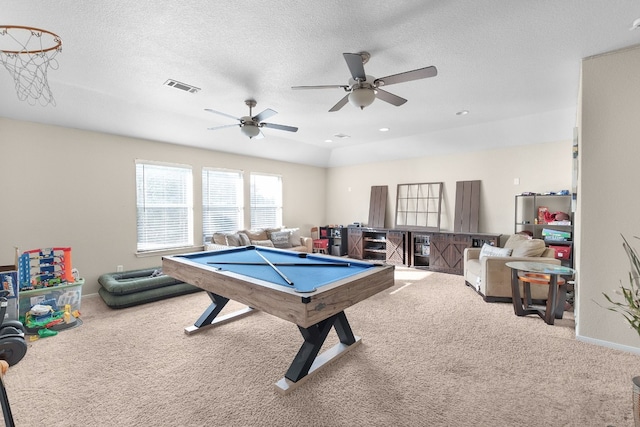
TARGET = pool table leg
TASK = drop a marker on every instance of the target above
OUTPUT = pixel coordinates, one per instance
(209, 317)
(314, 337)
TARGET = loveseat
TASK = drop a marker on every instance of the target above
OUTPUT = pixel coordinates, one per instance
(485, 268)
(282, 238)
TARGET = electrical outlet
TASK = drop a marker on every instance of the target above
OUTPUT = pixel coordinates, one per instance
(120, 268)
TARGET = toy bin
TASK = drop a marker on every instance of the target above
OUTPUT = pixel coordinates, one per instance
(56, 296)
(562, 252)
(9, 282)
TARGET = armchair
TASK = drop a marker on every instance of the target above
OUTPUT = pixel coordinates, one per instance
(490, 276)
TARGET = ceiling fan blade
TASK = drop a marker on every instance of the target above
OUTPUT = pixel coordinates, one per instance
(225, 126)
(222, 114)
(264, 115)
(340, 104)
(389, 97)
(280, 127)
(321, 87)
(407, 76)
(354, 62)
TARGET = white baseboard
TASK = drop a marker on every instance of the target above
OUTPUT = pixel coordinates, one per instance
(608, 344)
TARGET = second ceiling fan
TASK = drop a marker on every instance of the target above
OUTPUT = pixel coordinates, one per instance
(364, 89)
(250, 125)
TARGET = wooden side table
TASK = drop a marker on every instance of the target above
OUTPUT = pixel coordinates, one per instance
(539, 273)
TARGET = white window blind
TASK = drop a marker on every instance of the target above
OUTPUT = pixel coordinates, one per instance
(266, 201)
(164, 206)
(222, 201)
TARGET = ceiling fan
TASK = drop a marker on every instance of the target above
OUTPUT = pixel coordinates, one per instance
(364, 89)
(250, 125)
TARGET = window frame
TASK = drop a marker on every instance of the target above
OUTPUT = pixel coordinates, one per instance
(255, 207)
(209, 226)
(184, 229)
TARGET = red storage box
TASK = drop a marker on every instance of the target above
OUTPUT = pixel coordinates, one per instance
(562, 252)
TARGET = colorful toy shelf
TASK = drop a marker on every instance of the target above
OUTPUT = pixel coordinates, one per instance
(44, 268)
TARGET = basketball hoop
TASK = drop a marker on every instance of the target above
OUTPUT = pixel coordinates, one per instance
(28, 53)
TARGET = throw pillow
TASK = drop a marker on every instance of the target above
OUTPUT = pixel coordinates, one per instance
(256, 234)
(280, 239)
(244, 239)
(529, 248)
(488, 250)
(233, 239)
(514, 239)
(219, 239)
(267, 243)
(294, 236)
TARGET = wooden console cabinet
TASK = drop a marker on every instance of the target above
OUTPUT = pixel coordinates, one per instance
(443, 251)
(389, 246)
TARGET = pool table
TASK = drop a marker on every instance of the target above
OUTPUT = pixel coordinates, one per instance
(310, 290)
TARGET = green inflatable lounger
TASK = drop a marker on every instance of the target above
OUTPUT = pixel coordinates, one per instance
(130, 288)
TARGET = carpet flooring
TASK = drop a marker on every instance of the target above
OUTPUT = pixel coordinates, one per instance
(433, 354)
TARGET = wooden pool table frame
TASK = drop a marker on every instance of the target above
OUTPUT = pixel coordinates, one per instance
(315, 313)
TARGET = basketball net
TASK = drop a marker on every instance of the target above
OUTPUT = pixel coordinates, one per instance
(28, 53)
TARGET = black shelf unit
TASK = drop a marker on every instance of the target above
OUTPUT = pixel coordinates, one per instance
(337, 237)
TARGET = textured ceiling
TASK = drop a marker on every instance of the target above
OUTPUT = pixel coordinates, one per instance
(514, 65)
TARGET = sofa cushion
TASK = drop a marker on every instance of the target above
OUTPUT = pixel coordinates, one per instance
(233, 239)
(280, 239)
(529, 248)
(294, 236)
(219, 239)
(514, 239)
(488, 250)
(256, 235)
(266, 242)
(228, 239)
(244, 239)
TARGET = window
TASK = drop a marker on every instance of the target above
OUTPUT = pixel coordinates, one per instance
(266, 201)
(164, 206)
(222, 201)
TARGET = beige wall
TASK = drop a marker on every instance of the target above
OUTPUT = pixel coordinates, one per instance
(539, 168)
(66, 187)
(608, 199)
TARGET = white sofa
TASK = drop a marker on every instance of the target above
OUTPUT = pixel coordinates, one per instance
(281, 238)
(491, 278)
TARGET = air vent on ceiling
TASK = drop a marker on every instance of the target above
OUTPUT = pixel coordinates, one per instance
(182, 86)
(341, 135)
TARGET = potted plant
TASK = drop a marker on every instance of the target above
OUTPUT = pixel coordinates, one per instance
(630, 309)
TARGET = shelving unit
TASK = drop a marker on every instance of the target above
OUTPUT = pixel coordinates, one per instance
(421, 250)
(337, 239)
(374, 245)
(529, 218)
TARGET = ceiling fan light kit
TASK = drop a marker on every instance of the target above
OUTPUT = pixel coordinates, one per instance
(250, 130)
(362, 97)
(364, 89)
(250, 125)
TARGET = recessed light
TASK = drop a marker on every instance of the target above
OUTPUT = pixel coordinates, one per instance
(462, 113)
(328, 140)
(384, 129)
(341, 135)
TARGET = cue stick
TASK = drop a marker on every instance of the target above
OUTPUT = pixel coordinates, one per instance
(286, 264)
(286, 279)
